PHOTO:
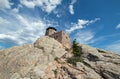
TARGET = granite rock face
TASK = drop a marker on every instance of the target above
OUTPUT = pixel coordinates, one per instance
(46, 59)
(30, 61)
(104, 63)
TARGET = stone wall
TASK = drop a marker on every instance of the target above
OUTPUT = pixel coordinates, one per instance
(57, 36)
(63, 38)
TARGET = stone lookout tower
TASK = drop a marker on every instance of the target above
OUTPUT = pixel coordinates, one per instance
(60, 36)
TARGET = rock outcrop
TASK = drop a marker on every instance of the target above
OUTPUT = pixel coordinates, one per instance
(98, 63)
(30, 61)
(46, 59)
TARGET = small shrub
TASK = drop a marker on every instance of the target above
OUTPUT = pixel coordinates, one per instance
(76, 48)
(77, 52)
(73, 60)
(55, 72)
(57, 59)
(66, 49)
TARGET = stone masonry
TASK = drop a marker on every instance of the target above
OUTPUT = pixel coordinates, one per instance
(60, 36)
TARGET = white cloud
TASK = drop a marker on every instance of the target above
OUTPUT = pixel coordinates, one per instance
(73, 1)
(84, 37)
(81, 24)
(31, 29)
(20, 29)
(103, 38)
(29, 4)
(5, 4)
(93, 21)
(88, 37)
(118, 26)
(58, 16)
(46, 5)
(6, 36)
(71, 10)
(22, 20)
(71, 7)
(16, 10)
(115, 47)
(3, 21)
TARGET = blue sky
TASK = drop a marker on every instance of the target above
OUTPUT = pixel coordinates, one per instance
(92, 22)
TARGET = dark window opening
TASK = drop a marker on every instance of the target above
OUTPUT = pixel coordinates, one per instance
(56, 36)
(66, 37)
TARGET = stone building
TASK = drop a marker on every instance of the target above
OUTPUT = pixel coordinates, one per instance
(60, 36)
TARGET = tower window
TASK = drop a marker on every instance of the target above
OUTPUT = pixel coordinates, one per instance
(66, 37)
(56, 36)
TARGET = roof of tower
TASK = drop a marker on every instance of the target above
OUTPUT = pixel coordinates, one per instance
(51, 28)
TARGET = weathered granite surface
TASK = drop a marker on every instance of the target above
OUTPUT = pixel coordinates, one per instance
(104, 63)
(29, 61)
(46, 59)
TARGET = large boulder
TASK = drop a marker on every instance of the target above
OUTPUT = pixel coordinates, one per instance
(91, 53)
(30, 61)
(104, 63)
(50, 46)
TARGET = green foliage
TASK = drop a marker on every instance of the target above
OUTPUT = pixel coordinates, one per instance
(57, 59)
(73, 60)
(55, 72)
(76, 49)
(66, 49)
(77, 54)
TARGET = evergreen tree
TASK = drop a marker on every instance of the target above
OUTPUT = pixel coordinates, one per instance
(76, 49)
(76, 52)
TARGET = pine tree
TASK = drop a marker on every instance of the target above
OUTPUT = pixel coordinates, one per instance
(76, 49)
